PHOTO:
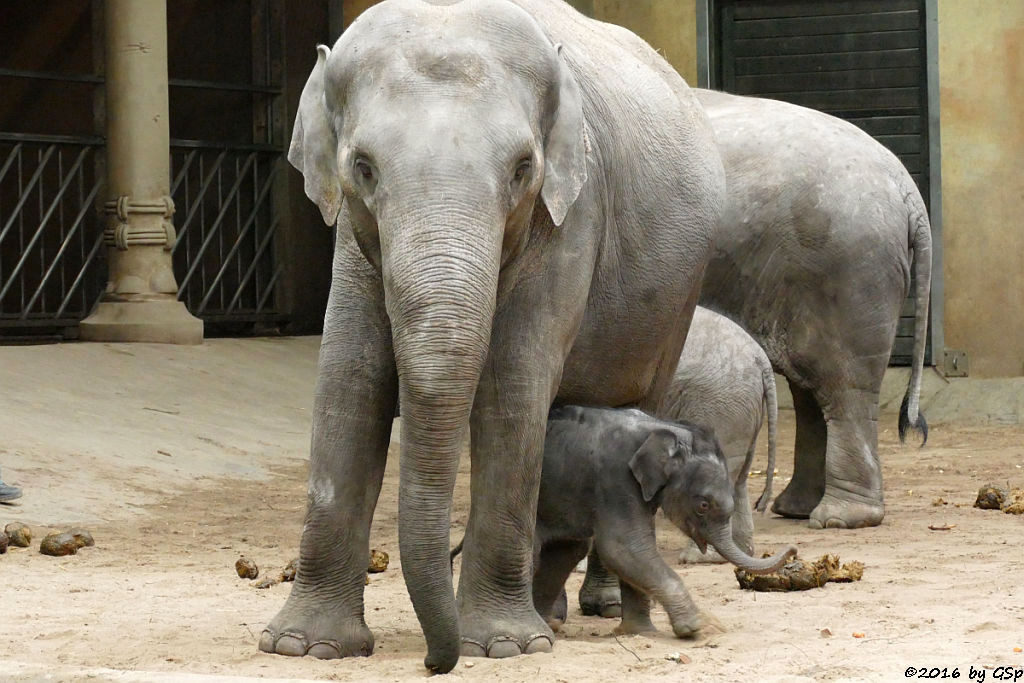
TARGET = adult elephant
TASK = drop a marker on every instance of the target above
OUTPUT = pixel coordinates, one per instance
(820, 230)
(428, 133)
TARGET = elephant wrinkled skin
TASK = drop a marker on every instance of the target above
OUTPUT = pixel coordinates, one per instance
(428, 132)
(813, 258)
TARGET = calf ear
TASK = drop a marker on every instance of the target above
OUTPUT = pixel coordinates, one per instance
(565, 149)
(650, 462)
(314, 147)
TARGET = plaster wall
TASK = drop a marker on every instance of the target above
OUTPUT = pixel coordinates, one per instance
(981, 69)
(670, 26)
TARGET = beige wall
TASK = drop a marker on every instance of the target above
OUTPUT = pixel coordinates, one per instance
(981, 74)
(670, 26)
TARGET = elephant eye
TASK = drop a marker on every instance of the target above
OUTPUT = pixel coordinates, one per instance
(703, 507)
(522, 169)
(364, 169)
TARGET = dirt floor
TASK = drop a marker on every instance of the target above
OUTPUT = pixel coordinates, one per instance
(175, 484)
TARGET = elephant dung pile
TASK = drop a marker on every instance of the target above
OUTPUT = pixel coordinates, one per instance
(1010, 501)
(66, 543)
(798, 575)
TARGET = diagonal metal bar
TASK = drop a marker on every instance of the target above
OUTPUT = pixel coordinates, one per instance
(252, 265)
(27, 249)
(189, 158)
(15, 151)
(197, 258)
(269, 289)
(198, 200)
(226, 261)
(81, 274)
(27, 190)
(86, 207)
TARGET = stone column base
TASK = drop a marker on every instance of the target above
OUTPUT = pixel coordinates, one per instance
(161, 321)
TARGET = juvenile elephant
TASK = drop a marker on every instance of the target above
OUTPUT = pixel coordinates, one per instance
(813, 258)
(725, 381)
(429, 132)
(605, 474)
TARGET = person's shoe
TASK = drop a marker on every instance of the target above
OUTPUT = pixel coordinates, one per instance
(9, 493)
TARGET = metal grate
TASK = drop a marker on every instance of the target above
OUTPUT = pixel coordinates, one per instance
(224, 255)
(51, 237)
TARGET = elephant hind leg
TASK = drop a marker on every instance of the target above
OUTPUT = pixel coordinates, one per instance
(600, 594)
(556, 563)
(807, 487)
(853, 473)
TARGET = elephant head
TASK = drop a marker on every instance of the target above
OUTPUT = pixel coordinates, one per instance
(429, 131)
(683, 469)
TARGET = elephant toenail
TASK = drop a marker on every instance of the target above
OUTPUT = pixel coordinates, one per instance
(291, 645)
(325, 650)
(501, 647)
(472, 648)
(834, 523)
(814, 524)
(555, 624)
(538, 643)
(267, 642)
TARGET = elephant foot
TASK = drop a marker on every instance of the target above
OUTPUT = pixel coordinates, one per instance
(797, 501)
(309, 626)
(506, 636)
(604, 601)
(634, 627)
(559, 612)
(835, 513)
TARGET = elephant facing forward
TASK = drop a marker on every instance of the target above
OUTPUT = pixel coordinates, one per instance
(525, 201)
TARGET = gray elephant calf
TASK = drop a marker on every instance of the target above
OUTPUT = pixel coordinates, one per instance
(725, 380)
(605, 474)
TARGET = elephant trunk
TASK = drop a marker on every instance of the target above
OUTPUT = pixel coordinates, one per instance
(721, 539)
(440, 287)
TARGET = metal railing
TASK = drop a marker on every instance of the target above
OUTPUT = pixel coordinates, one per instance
(51, 237)
(224, 255)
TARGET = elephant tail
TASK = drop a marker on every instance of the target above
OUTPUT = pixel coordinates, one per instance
(911, 416)
(772, 409)
(455, 553)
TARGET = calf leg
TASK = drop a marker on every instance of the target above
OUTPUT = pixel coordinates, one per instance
(556, 562)
(636, 611)
(599, 595)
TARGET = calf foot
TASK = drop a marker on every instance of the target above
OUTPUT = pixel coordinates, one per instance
(688, 626)
(309, 624)
(603, 601)
(559, 612)
(835, 512)
(635, 626)
(506, 636)
(797, 501)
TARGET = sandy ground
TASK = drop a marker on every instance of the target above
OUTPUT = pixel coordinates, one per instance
(179, 460)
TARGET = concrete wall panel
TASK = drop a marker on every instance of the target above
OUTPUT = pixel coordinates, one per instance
(981, 73)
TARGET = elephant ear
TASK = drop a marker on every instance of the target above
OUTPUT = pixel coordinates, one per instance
(650, 463)
(565, 150)
(314, 146)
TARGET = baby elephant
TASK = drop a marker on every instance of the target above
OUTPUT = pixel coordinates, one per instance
(725, 380)
(605, 474)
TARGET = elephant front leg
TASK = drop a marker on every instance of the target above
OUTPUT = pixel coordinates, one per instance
(497, 617)
(355, 398)
(853, 475)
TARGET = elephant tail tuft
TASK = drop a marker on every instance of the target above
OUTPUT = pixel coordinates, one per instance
(917, 423)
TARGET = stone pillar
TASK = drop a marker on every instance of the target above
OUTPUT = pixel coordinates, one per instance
(140, 302)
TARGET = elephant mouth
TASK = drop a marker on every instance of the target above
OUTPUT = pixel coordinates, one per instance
(694, 532)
